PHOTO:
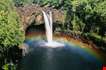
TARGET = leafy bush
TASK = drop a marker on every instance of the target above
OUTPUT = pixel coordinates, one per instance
(11, 32)
(10, 28)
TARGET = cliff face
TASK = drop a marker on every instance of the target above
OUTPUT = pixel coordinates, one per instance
(33, 13)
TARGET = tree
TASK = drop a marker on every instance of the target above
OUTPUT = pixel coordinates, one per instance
(11, 32)
(101, 10)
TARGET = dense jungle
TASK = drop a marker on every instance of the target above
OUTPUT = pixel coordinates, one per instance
(82, 19)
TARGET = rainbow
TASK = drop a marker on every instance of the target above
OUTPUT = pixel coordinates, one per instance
(69, 40)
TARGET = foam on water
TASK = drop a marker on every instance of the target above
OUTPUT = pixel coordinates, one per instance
(52, 44)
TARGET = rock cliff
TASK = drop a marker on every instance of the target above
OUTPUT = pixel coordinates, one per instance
(33, 13)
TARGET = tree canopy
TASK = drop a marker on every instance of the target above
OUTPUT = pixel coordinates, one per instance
(10, 28)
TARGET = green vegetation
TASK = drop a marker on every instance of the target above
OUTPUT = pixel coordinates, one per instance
(9, 67)
(11, 33)
(83, 17)
(10, 29)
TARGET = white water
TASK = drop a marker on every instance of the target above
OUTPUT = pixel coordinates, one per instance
(49, 30)
(48, 25)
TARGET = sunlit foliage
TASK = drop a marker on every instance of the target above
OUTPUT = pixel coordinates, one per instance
(10, 29)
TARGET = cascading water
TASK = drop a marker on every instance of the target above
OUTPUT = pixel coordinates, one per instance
(49, 31)
(74, 55)
(48, 25)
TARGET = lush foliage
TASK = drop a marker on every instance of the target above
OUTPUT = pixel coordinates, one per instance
(52, 3)
(88, 16)
(83, 17)
(89, 19)
(11, 33)
(10, 29)
(22, 2)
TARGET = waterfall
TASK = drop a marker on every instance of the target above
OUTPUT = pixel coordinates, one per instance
(49, 31)
(48, 25)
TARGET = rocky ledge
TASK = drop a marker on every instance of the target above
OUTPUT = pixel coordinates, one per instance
(33, 13)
